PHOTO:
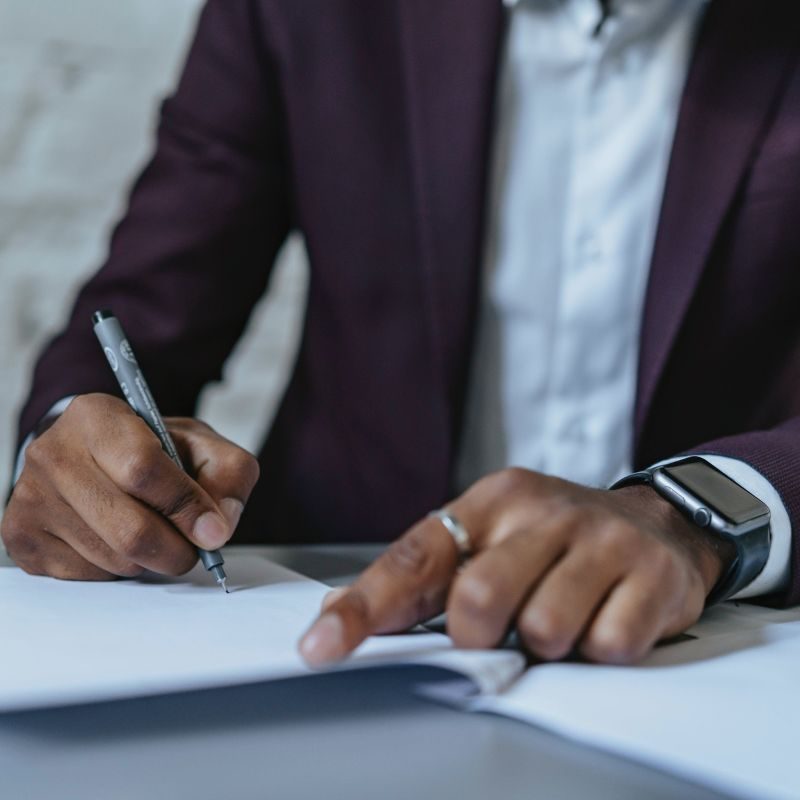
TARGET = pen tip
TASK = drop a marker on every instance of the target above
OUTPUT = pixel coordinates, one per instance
(223, 584)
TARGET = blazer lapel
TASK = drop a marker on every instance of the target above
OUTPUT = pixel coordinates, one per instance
(740, 66)
(451, 49)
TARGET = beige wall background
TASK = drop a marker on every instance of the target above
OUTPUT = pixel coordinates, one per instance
(80, 82)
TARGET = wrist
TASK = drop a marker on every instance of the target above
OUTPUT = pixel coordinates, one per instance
(710, 554)
(713, 500)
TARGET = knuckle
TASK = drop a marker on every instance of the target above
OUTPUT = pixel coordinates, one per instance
(77, 569)
(81, 405)
(663, 563)
(25, 495)
(90, 400)
(471, 632)
(84, 572)
(8, 533)
(180, 562)
(90, 407)
(137, 540)
(495, 492)
(17, 522)
(243, 465)
(185, 423)
(332, 597)
(11, 533)
(357, 605)
(618, 539)
(409, 555)
(510, 480)
(542, 631)
(250, 468)
(127, 569)
(38, 453)
(477, 593)
(611, 644)
(31, 566)
(574, 518)
(113, 562)
(138, 470)
(183, 501)
(25, 550)
(475, 615)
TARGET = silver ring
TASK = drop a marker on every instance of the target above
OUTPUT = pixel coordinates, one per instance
(456, 530)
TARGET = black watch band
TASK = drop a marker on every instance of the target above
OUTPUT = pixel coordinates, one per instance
(744, 524)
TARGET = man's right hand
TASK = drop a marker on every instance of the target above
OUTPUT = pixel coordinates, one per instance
(98, 498)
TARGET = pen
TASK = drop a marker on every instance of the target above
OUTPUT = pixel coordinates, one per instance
(126, 370)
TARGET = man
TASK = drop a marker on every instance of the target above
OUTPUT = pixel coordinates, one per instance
(629, 296)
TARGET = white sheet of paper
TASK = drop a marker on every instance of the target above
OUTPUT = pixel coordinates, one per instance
(721, 710)
(64, 643)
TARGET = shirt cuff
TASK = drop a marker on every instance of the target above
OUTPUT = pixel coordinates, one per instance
(56, 410)
(775, 575)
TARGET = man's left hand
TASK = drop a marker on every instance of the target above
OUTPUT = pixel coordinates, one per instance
(606, 573)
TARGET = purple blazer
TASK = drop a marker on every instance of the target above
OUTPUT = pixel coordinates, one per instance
(367, 126)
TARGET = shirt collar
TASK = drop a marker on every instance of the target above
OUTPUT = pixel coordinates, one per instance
(615, 4)
(628, 14)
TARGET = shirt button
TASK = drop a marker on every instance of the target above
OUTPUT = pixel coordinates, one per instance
(627, 62)
(589, 249)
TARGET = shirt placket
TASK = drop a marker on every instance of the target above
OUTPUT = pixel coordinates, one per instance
(569, 399)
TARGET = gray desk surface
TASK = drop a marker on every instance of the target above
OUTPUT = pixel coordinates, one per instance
(330, 736)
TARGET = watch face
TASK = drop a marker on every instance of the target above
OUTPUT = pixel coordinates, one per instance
(718, 491)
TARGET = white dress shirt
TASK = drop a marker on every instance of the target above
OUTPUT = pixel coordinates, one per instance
(585, 124)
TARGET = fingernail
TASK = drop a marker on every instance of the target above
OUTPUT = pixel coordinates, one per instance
(324, 643)
(211, 530)
(232, 509)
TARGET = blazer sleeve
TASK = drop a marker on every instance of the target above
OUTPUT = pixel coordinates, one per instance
(205, 219)
(775, 453)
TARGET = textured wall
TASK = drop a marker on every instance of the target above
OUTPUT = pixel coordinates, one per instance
(79, 86)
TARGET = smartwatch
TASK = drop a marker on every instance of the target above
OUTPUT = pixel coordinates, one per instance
(713, 501)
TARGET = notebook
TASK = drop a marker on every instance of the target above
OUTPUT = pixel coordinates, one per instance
(715, 708)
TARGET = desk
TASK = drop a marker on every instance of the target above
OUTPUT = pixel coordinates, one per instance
(329, 736)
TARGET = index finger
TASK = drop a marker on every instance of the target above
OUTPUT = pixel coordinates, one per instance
(406, 585)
